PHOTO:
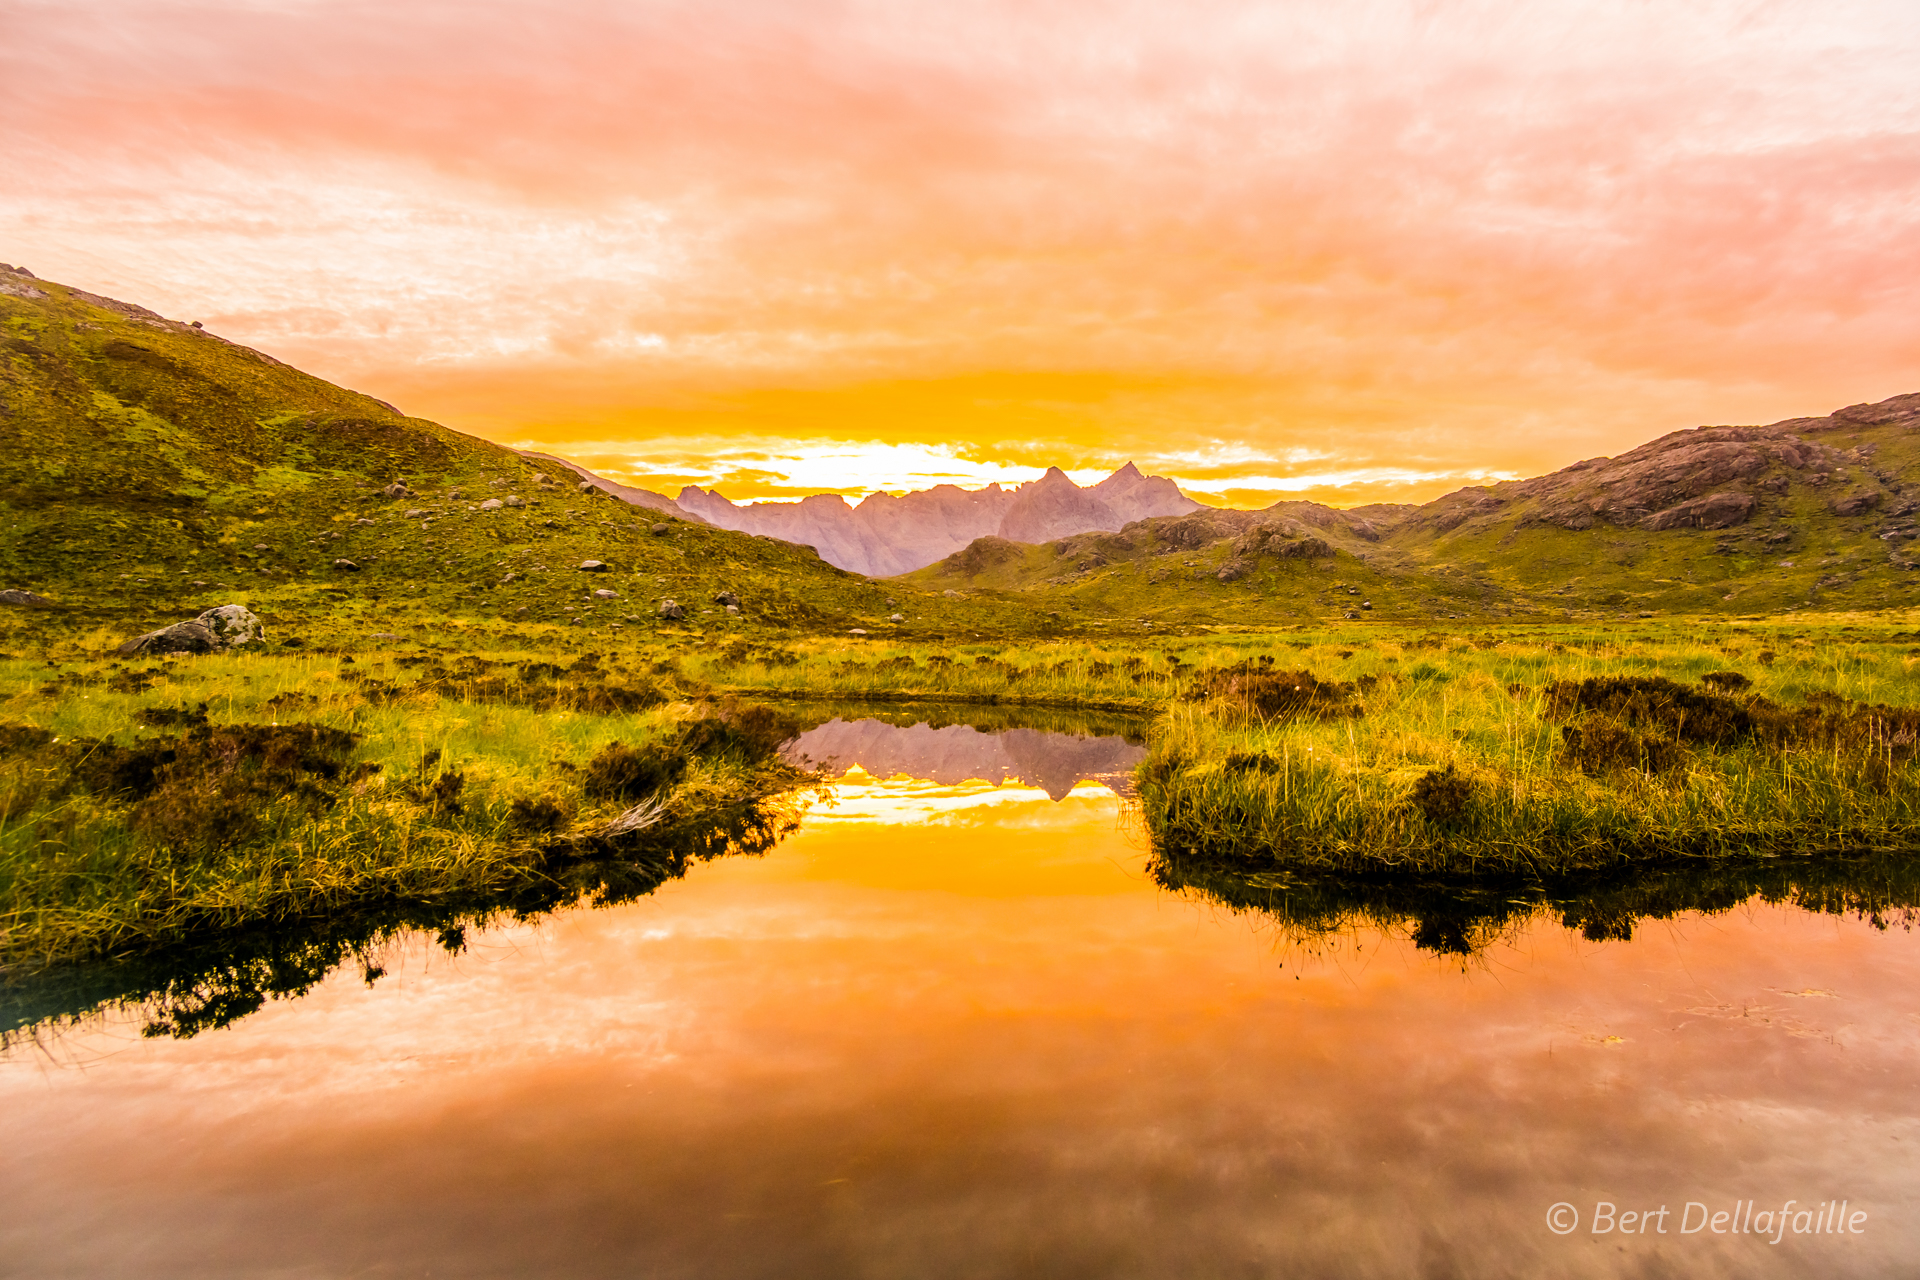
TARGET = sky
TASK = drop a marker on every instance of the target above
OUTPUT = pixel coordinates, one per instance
(1351, 252)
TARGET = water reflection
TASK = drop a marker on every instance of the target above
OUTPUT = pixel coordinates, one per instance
(215, 981)
(956, 1041)
(1452, 918)
(1049, 759)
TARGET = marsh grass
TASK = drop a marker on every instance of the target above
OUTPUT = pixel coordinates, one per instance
(141, 804)
(1469, 757)
(460, 763)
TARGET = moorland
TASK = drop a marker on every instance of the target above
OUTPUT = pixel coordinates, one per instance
(480, 682)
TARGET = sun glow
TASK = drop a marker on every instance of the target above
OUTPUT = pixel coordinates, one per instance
(1359, 252)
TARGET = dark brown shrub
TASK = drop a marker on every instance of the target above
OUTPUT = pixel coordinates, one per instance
(541, 816)
(1652, 704)
(171, 717)
(217, 786)
(1250, 762)
(621, 773)
(1441, 795)
(1726, 681)
(751, 734)
(1601, 744)
(1277, 695)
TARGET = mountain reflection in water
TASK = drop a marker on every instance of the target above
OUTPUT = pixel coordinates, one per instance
(948, 1031)
(958, 753)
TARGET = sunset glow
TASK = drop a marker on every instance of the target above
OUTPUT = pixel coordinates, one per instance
(1355, 253)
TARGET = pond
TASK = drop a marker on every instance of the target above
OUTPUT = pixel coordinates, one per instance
(963, 1023)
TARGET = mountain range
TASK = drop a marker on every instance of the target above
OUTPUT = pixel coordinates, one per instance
(146, 464)
(887, 534)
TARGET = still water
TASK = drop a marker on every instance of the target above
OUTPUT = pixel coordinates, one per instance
(953, 1027)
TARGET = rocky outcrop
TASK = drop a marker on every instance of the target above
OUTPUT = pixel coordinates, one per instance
(1715, 511)
(218, 630)
(25, 599)
(233, 625)
(1705, 478)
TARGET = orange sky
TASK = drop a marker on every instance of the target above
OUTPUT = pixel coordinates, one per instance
(1353, 252)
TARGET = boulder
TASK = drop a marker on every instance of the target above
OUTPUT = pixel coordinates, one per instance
(726, 597)
(1857, 503)
(896, 617)
(660, 530)
(1233, 570)
(347, 565)
(585, 486)
(492, 504)
(25, 599)
(192, 636)
(1714, 511)
(514, 500)
(594, 566)
(233, 625)
(734, 609)
(604, 594)
(396, 491)
(672, 610)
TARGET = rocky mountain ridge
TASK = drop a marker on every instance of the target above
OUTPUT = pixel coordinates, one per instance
(885, 535)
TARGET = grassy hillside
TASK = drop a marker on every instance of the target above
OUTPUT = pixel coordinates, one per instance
(1199, 569)
(149, 470)
(1813, 513)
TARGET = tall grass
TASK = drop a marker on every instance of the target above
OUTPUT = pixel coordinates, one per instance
(1448, 763)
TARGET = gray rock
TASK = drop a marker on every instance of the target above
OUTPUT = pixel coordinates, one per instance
(1857, 503)
(348, 565)
(734, 609)
(492, 504)
(858, 631)
(660, 530)
(396, 491)
(585, 486)
(672, 610)
(896, 617)
(192, 636)
(1714, 511)
(25, 599)
(514, 500)
(233, 625)
(594, 566)
(727, 598)
(1366, 604)
(604, 594)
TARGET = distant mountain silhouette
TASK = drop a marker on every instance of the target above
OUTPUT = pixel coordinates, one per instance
(958, 753)
(886, 535)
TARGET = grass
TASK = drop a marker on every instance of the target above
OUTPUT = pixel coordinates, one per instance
(1476, 757)
(144, 803)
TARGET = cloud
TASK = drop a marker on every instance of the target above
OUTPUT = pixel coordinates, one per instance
(1443, 238)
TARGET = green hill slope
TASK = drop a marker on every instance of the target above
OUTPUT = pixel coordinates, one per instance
(1812, 513)
(149, 470)
(1806, 513)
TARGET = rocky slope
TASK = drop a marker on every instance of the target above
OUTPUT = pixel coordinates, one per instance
(1805, 513)
(886, 535)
